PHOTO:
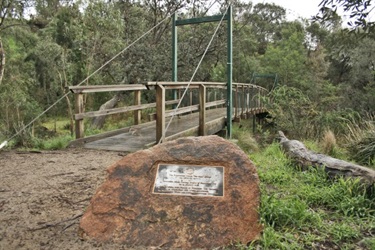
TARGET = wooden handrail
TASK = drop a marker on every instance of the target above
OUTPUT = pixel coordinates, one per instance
(206, 84)
(186, 83)
(247, 101)
(106, 88)
(120, 110)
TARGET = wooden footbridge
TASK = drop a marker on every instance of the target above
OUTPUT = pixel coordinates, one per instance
(203, 112)
(209, 108)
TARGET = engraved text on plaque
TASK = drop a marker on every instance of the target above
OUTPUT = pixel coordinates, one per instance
(189, 180)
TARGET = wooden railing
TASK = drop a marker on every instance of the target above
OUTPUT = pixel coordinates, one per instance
(79, 92)
(247, 100)
(161, 112)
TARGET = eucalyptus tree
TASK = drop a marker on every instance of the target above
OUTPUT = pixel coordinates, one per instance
(288, 56)
(18, 102)
(266, 23)
(11, 14)
(352, 68)
(358, 10)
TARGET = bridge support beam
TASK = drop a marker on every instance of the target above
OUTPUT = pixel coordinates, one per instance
(202, 110)
(160, 113)
(229, 71)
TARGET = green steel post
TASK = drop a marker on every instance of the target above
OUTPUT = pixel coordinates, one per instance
(174, 53)
(229, 74)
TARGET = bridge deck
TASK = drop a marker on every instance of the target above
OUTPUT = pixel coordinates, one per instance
(143, 136)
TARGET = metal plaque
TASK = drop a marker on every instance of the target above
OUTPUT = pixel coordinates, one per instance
(189, 180)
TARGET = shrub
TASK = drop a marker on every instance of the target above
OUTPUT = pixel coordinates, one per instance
(292, 111)
(361, 141)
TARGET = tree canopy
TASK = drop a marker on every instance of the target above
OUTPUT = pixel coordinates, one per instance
(62, 42)
(358, 11)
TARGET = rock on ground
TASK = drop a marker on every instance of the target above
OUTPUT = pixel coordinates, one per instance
(125, 210)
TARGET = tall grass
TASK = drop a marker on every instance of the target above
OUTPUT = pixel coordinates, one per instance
(307, 210)
(242, 133)
(361, 140)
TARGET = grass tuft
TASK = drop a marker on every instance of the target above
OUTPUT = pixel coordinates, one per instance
(328, 143)
(244, 138)
(361, 141)
(55, 143)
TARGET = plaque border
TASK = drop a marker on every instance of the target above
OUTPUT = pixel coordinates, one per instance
(188, 195)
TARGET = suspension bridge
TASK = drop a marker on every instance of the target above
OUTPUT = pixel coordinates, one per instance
(181, 108)
(203, 113)
(210, 107)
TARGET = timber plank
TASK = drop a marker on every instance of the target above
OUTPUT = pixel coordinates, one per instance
(139, 137)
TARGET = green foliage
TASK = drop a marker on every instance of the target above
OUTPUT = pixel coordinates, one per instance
(344, 232)
(292, 111)
(307, 210)
(17, 101)
(266, 22)
(358, 10)
(287, 57)
(245, 139)
(290, 212)
(54, 143)
(369, 243)
(327, 75)
(302, 118)
(361, 141)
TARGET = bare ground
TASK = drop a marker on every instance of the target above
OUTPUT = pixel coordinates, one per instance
(44, 194)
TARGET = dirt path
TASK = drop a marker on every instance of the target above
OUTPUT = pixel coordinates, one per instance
(43, 196)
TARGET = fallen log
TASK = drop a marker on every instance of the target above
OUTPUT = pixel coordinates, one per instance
(305, 158)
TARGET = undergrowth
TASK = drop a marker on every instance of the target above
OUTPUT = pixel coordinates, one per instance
(361, 141)
(307, 210)
(56, 133)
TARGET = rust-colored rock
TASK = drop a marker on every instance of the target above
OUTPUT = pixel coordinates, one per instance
(125, 209)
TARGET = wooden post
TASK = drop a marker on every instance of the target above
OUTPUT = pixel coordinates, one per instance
(247, 100)
(137, 113)
(243, 113)
(79, 122)
(236, 103)
(251, 98)
(160, 113)
(202, 110)
(191, 98)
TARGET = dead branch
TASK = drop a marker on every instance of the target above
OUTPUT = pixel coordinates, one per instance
(49, 224)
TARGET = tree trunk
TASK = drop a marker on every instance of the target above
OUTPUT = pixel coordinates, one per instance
(2, 61)
(305, 158)
(64, 88)
(98, 122)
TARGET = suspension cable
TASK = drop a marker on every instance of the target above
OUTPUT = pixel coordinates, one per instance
(192, 77)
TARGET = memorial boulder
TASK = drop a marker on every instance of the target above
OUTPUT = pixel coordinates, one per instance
(195, 192)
